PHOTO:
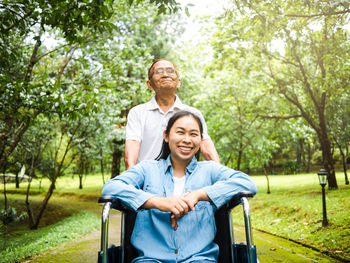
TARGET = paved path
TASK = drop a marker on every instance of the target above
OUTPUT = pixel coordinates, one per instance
(270, 249)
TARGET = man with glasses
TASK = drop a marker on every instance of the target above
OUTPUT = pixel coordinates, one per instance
(146, 122)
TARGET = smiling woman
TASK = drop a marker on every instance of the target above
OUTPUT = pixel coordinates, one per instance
(176, 197)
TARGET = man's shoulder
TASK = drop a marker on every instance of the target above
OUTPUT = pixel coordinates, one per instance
(140, 108)
(191, 109)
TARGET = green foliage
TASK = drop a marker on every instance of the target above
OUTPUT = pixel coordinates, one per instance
(295, 54)
(294, 210)
(10, 216)
(291, 167)
(36, 241)
(71, 17)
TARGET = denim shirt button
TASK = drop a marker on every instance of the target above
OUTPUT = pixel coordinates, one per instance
(176, 251)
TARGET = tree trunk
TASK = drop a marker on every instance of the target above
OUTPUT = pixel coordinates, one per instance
(328, 160)
(29, 209)
(239, 159)
(228, 159)
(267, 181)
(17, 180)
(101, 163)
(45, 202)
(344, 167)
(309, 157)
(344, 159)
(80, 181)
(5, 195)
(117, 157)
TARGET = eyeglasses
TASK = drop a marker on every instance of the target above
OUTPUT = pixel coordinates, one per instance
(159, 71)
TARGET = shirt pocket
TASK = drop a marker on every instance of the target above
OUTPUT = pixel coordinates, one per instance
(158, 191)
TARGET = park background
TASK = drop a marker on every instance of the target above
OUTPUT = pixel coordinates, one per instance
(270, 77)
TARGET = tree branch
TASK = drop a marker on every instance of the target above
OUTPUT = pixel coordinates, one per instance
(318, 15)
(280, 117)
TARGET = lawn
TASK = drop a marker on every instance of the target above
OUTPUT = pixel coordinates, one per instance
(292, 210)
(71, 213)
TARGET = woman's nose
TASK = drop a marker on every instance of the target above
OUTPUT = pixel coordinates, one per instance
(186, 138)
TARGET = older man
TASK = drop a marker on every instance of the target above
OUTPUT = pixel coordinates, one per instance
(146, 122)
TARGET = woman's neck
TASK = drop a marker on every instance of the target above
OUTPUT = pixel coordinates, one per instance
(179, 167)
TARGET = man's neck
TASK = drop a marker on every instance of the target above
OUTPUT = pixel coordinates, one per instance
(165, 102)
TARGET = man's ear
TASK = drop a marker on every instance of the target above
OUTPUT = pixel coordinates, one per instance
(165, 136)
(178, 83)
(149, 85)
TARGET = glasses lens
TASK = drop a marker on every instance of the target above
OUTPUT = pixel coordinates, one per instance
(159, 71)
(170, 70)
(162, 70)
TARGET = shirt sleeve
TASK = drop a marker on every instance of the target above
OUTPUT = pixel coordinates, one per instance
(200, 115)
(128, 187)
(227, 183)
(134, 129)
(205, 130)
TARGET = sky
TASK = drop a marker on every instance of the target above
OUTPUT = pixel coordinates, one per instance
(199, 8)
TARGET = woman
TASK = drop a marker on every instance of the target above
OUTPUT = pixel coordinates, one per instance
(176, 197)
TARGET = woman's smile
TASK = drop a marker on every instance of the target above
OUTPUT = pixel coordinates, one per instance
(184, 139)
(185, 149)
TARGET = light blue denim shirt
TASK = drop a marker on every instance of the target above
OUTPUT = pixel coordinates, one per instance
(153, 235)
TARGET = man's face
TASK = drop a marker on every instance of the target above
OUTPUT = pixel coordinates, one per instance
(164, 78)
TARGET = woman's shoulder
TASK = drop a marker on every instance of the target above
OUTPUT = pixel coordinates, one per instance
(214, 166)
(148, 163)
(209, 163)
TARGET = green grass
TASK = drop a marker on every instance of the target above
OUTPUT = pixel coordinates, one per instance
(34, 241)
(71, 213)
(293, 210)
(65, 185)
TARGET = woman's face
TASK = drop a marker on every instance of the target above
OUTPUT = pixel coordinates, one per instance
(184, 138)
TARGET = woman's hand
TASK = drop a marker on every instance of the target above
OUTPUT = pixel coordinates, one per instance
(173, 204)
(178, 206)
(191, 199)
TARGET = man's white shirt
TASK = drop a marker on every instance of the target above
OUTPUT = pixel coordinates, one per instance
(146, 123)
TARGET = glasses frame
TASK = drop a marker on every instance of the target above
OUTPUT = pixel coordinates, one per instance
(161, 71)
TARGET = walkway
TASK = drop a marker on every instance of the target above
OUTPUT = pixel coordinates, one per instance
(270, 249)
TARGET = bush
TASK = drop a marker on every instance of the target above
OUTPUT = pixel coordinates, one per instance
(291, 167)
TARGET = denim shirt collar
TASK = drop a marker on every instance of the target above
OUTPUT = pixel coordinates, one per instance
(189, 169)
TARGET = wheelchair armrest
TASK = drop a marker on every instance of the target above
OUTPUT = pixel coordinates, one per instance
(116, 203)
(236, 199)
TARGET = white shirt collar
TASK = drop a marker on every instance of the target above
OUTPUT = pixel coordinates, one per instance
(153, 105)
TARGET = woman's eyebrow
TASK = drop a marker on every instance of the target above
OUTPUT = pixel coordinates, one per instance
(182, 128)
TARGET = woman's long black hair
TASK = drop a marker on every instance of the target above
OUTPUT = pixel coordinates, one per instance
(165, 151)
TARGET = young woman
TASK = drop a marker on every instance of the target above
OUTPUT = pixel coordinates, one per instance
(176, 197)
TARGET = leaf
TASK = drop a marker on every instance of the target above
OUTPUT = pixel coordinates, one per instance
(187, 11)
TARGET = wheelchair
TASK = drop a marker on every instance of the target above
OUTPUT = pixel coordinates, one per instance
(229, 252)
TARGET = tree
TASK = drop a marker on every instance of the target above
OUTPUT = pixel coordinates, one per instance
(304, 72)
(24, 94)
(26, 25)
(340, 130)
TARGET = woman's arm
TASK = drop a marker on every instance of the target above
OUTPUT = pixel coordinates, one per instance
(227, 183)
(127, 187)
